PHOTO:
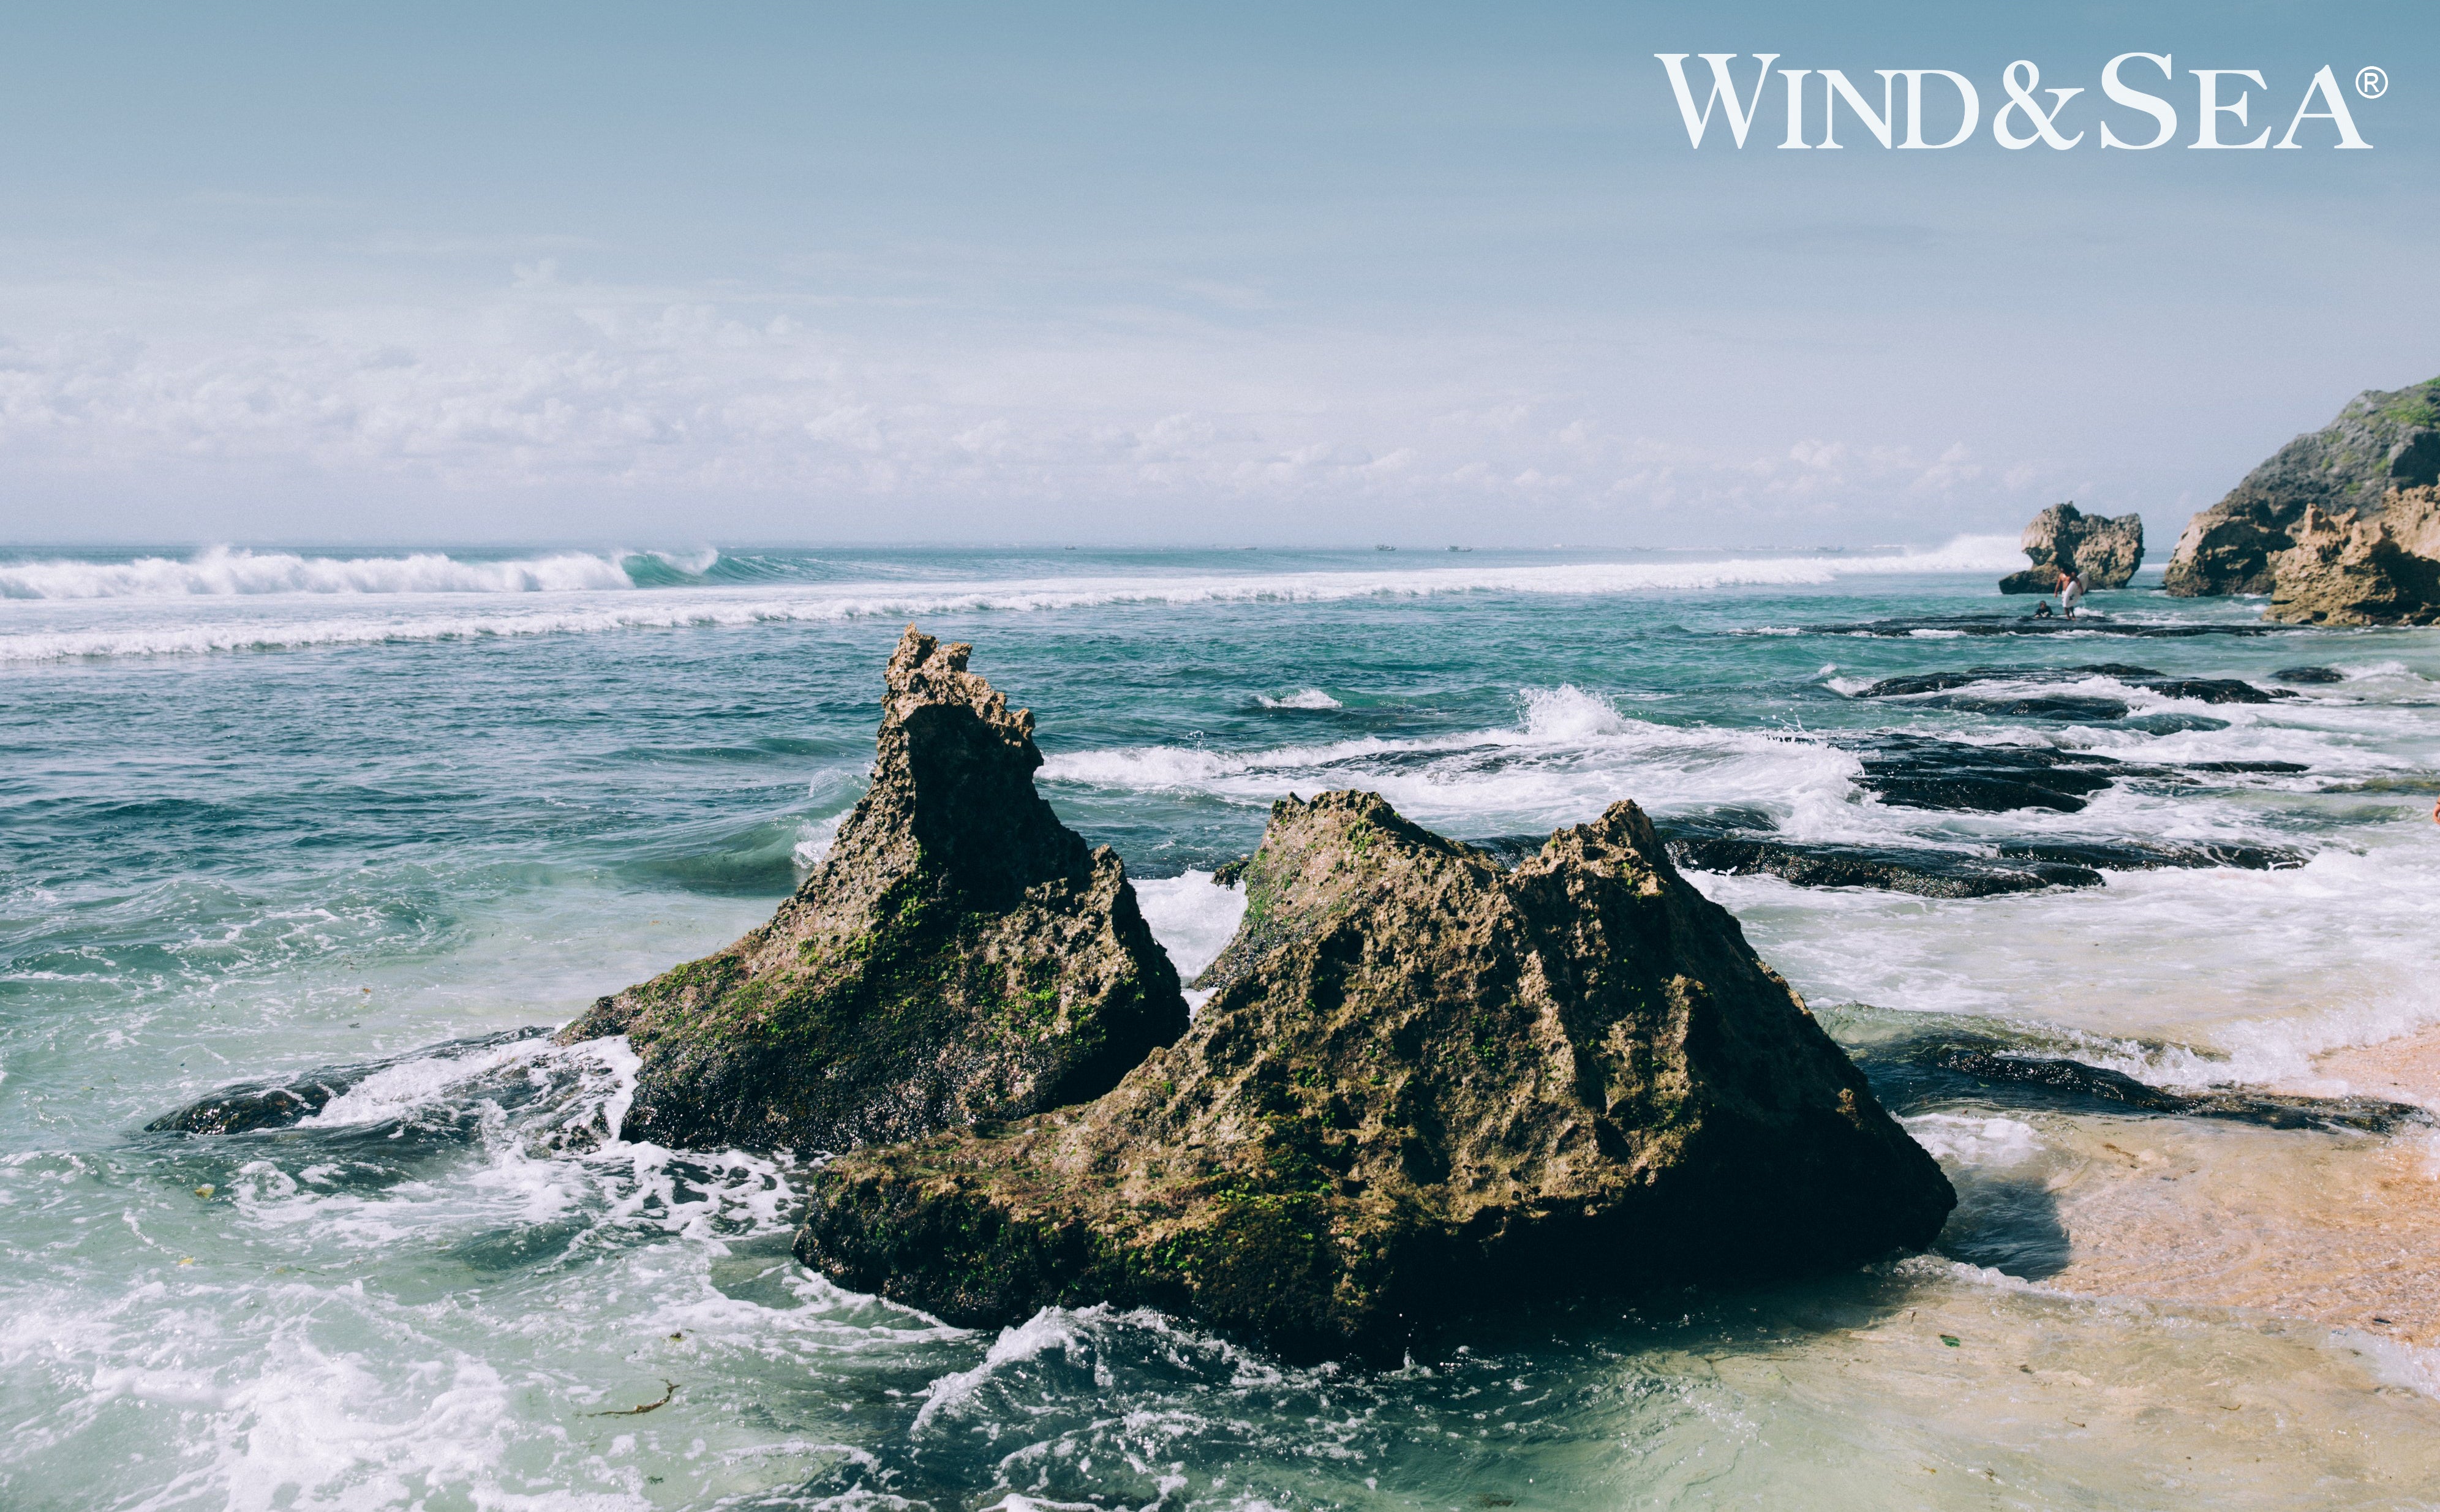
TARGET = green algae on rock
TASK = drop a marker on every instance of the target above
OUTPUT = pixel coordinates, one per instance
(960, 954)
(2379, 442)
(1423, 1082)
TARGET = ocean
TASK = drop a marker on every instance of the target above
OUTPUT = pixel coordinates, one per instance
(273, 810)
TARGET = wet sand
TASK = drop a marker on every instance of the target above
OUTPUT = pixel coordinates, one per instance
(2405, 1070)
(2339, 1229)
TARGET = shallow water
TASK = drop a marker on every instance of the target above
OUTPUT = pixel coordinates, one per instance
(287, 810)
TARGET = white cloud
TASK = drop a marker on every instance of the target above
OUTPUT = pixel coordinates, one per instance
(552, 383)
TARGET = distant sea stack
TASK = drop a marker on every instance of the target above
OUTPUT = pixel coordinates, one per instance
(2381, 442)
(2105, 550)
(958, 955)
(1424, 1083)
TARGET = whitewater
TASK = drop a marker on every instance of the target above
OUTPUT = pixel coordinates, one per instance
(276, 809)
(224, 600)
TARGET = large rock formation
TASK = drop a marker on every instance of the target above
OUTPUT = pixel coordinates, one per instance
(958, 955)
(2107, 550)
(2381, 442)
(1424, 1082)
(2352, 570)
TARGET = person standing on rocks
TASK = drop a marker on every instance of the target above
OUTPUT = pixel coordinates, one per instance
(2071, 590)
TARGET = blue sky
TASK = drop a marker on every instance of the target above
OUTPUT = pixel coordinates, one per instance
(1158, 273)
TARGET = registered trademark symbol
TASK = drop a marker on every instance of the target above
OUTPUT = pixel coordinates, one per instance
(2372, 83)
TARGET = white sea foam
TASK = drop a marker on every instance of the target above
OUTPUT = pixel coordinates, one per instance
(1052, 1328)
(815, 839)
(1570, 755)
(1190, 918)
(1976, 1142)
(221, 571)
(1302, 698)
(399, 1090)
(2259, 971)
(1568, 713)
(1080, 1338)
(551, 604)
(2365, 671)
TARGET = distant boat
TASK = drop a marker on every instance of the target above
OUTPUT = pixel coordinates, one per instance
(1461, 549)
(1385, 549)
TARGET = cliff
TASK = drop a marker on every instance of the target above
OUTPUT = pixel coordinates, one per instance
(2353, 570)
(2381, 442)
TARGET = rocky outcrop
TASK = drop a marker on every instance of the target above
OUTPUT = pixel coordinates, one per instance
(1423, 1081)
(958, 955)
(2063, 538)
(2381, 442)
(2352, 570)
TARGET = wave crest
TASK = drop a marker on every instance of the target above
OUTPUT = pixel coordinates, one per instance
(222, 572)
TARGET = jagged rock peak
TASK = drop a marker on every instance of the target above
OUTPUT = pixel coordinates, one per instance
(2105, 550)
(960, 954)
(953, 779)
(1422, 1080)
(2382, 440)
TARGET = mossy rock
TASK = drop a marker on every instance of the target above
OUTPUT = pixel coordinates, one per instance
(958, 955)
(1422, 1080)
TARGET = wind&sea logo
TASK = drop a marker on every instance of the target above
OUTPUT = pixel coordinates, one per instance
(2225, 102)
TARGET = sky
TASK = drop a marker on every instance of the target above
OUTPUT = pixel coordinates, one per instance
(1167, 274)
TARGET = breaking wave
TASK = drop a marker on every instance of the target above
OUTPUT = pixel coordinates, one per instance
(577, 592)
(221, 571)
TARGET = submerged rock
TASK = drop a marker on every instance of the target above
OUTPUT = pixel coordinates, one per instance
(2275, 768)
(1925, 682)
(2353, 569)
(1930, 873)
(2215, 690)
(2128, 855)
(1920, 1062)
(2065, 706)
(2073, 1082)
(1913, 626)
(1914, 771)
(1423, 1082)
(283, 1101)
(958, 955)
(2381, 442)
(2063, 538)
(2074, 708)
(1741, 842)
(1919, 870)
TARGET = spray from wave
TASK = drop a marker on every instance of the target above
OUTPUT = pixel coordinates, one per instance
(1302, 698)
(577, 592)
(219, 572)
(224, 571)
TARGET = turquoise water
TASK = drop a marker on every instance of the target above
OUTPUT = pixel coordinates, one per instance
(277, 810)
